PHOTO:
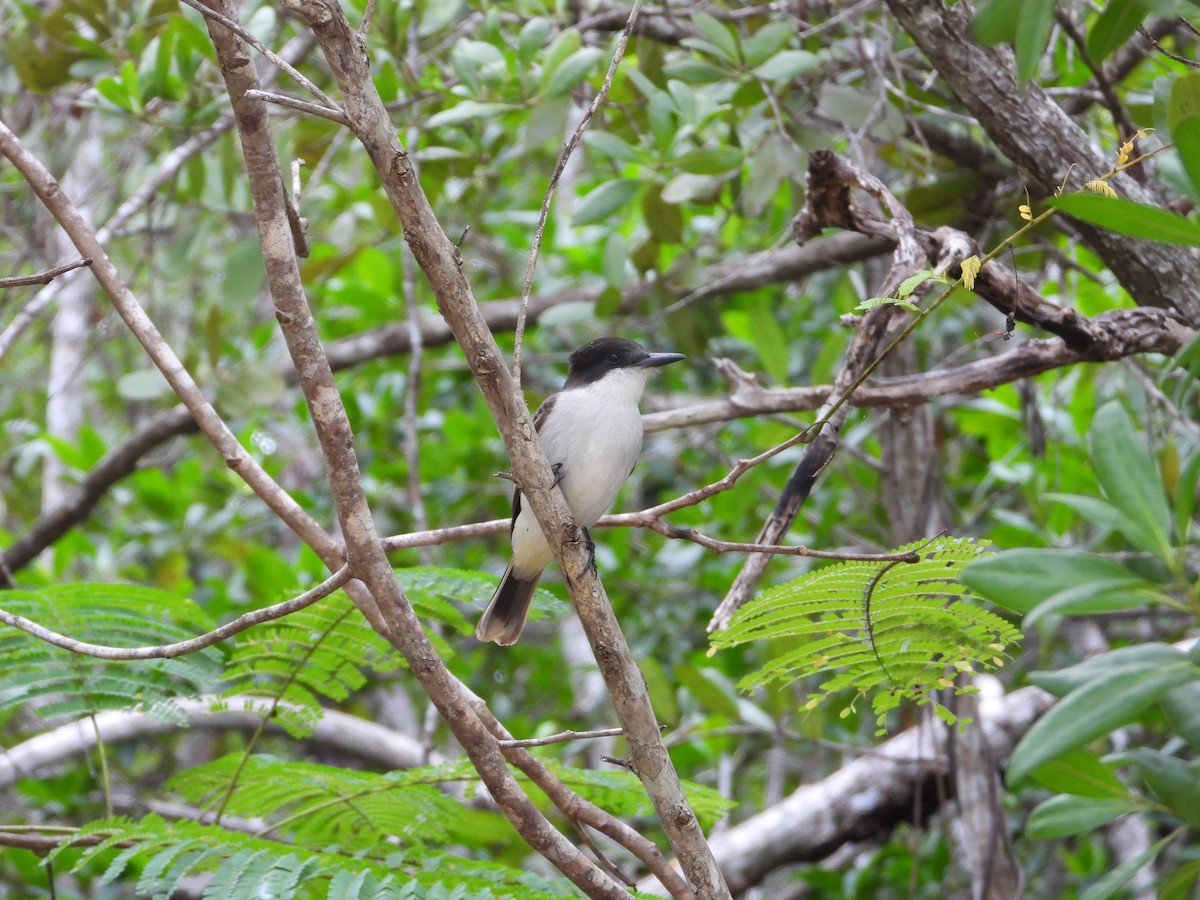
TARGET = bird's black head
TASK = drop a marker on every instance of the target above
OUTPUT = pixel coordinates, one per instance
(593, 361)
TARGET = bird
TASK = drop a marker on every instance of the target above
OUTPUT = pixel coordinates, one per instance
(591, 432)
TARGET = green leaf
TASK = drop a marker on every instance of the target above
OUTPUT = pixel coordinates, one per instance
(787, 65)
(720, 37)
(1182, 707)
(711, 160)
(663, 220)
(772, 346)
(1134, 659)
(914, 281)
(885, 630)
(695, 71)
(1082, 774)
(1180, 883)
(615, 260)
(1032, 36)
(662, 695)
(143, 384)
(574, 69)
(766, 42)
(996, 21)
(712, 690)
(1023, 580)
(1112, 882)
(533, 37)
(1129, 477)
(604, 200)
(1102, 705)
(685, 187)
(1065, 815)
(1186, 134)
(612, 146)
(1175, 782)
(467, 111)
(1114, 27)
(1133, 219)
(1184, 99)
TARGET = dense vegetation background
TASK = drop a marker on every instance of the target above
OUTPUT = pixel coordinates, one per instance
(754, 177)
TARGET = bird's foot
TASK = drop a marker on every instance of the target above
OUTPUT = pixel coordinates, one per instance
(591, 549)
(556, 468)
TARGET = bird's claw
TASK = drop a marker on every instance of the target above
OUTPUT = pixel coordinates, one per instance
(556, 468)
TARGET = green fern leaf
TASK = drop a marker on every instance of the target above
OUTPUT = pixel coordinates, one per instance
(324, 651)
(890, 631)
(244, 866)
(66, 683)
(316, 805)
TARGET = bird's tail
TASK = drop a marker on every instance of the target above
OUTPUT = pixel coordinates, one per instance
(504, 619)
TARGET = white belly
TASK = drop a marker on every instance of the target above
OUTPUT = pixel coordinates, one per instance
(596, 461)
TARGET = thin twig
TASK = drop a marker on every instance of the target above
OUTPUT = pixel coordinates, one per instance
(182, 648)
(562, 737)
(304, 106)
(567, 150)
(44, 277)
(368, 15)
(1164, 51)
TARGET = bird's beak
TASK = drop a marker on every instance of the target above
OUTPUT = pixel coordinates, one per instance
(654, 360)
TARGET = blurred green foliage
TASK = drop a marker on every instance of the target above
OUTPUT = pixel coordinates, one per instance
(696, 159)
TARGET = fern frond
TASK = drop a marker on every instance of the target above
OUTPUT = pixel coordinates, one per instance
(324, 651)
(244, 866)
(315, 805)
(119, 615)
(893, 631)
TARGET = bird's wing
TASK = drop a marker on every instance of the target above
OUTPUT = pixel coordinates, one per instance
(539, 419)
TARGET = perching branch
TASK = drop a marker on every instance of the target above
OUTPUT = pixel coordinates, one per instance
(439, 259)
(386, 606)
(182, 648)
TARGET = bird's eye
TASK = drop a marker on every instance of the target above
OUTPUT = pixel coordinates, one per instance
(614, 357)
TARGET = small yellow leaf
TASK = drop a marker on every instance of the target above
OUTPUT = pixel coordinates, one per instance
(1026, 212)
(970, 268)
(1101, 187)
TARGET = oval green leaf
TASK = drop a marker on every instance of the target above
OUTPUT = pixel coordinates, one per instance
(1106, 703)
(1133, 219)
(605, 200)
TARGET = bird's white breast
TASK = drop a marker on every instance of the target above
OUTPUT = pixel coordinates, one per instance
(595, 432)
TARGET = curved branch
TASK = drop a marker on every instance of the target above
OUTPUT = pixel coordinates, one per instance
(182, 648)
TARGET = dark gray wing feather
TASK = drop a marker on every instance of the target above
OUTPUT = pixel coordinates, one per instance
(539, 419)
